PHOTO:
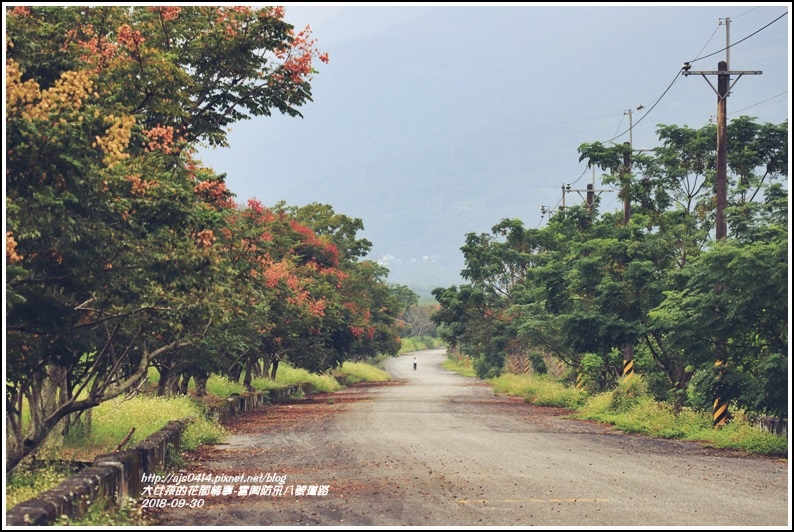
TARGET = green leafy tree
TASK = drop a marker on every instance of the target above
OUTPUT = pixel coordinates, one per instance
(111, 219)
(590, 284)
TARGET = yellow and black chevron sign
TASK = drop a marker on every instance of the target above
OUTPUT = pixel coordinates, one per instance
(720, 408)
(628, 368)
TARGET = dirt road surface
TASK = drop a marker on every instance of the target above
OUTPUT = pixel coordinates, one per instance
(434, 449)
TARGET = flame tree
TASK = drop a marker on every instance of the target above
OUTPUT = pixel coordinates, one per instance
(111, 245)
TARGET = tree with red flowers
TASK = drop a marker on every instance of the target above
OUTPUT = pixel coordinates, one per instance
(111, 248)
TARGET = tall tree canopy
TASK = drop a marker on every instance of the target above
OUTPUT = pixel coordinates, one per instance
(122, 250)
(589, 283)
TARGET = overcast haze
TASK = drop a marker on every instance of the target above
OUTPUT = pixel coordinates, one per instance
(430, 122)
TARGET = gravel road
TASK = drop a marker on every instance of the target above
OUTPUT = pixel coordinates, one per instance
(432, 448)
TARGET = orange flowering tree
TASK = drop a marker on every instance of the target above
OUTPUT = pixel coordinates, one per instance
(362, 318)
(112, 224)
(303, 297)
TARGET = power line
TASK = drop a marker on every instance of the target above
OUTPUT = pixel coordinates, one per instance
(622, 118)
(580, 177)
(759, 103)
(690, 62)
(740, 40)
(712, 118)
(743, 14)
(707, 42)
(677, 76)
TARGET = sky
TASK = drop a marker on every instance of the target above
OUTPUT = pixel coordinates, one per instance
(433, 121)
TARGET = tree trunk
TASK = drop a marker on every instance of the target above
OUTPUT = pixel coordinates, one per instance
(172, 385)
(165, 373)
(249, 367)
(235, 372)
(183, 386)
(201, 378)
(266, 366)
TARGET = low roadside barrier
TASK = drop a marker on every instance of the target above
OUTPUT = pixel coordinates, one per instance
(118, 477)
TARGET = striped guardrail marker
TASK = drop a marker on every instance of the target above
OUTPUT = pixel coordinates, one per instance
(720, 407)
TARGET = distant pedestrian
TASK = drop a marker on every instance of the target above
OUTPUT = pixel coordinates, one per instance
(414, 363)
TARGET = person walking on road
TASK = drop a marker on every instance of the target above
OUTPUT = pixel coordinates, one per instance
(414, 363)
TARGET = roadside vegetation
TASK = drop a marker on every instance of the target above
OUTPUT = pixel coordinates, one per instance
(684, 283)
(104, 513)
(631, 408)
(111, 422)
(125, 253)
(458, 366)
(363, 372)
(418, 343)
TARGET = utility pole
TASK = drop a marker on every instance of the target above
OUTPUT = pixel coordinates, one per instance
(727, 41)
(722, 91)
(565, 188)
(628, 347)
(590, 197)
(720, 411)
(625, 188)
(627, 167)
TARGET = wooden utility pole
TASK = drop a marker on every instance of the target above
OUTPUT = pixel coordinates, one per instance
(626, 189)
(722, 90)
(565, 188)
(628, 347)
(720, 413)
(590, 195)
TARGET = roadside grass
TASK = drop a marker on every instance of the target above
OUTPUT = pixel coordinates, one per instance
(289, 375)
(630, 408)
(220, 386)
(362, 372)
(29, 479)
(418, 343)
(539, 390)
(111, 422)
(450, 364)
(103, 513)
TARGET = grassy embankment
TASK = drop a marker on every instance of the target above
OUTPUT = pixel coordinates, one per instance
(631, 409)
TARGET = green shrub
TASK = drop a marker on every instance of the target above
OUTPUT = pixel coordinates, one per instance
(539, 390)
(359, 371)
(288, 375)
(628, 393)
(739, 434)
(104, 513)
(27, 480)
(635, 412)
(451, 364)
(221, 386)
(597, 407)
